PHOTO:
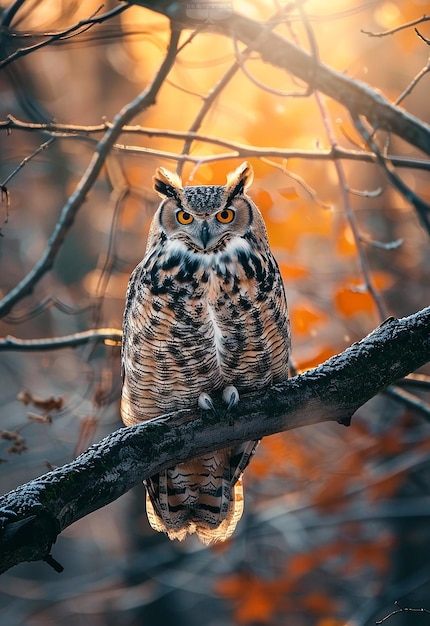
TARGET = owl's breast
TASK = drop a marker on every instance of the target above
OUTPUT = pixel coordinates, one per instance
(197, 322)
(249, 311)
(169, 352)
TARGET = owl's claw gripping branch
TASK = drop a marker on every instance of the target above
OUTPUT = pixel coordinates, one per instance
(205, 402)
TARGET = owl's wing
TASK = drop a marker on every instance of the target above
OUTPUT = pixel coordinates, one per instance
(202, 496)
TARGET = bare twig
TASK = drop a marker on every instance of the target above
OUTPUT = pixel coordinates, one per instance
(44, 304)
(109, 336)
(144, 100)
(422, 208)
(426, 41)
(409, 400)
(10, 12)
(396, 29)
(343, 185)
(390, 245)
(208, 101)
(420, 381)
(210, 98)
(350, 216)
(239, 150)
(425, 70)
(24, 162)
(49, 38)
(401, 609)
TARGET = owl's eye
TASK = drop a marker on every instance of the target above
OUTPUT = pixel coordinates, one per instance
(184, 218)
(225, 216)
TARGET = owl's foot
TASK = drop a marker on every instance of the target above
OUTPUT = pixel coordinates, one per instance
(205, 402)
(230, 395)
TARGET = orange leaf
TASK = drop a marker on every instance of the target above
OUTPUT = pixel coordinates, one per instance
(290, 193)
(386, 488)
(318, 603)
(349, 302)
(300, 219)
(319, 357)
(304, 318)
(330, 621)
(301, 564)
(257, 606)
(256, 599)
(262, 199)
(293, 272)
(345, 243)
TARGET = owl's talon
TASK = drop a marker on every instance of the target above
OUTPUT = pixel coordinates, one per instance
(230, 395)
(205, 402)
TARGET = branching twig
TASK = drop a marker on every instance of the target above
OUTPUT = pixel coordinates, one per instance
(208, 101)
(401, 609)
(422, 208)
(426, 41)
(144, 100)
(384, 33)
(239, 150)
(425, 70)
(351, 219)
(24, 162)
(50, 38)
(357, 97)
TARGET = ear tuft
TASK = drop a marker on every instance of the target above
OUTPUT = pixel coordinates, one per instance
(167, 184)
(239, 180)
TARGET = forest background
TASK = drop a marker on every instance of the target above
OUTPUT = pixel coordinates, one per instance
(335, 528)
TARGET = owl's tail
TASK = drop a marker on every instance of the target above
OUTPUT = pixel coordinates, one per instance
(203, 496)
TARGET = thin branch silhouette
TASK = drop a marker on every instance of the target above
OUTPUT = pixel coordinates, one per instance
(49, 38)
(70, 209)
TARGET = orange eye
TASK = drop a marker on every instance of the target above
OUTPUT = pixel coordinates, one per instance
(184, 218)
(225, 216)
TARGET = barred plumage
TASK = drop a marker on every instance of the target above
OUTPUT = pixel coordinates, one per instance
(205, 316)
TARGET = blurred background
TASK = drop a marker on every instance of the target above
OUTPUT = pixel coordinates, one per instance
(336, 522)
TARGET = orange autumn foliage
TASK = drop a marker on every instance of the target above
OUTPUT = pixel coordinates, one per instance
(304, 319)
(321, 355)
(255, 600)
(352, 298)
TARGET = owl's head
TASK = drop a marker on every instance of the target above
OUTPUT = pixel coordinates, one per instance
(206, 218)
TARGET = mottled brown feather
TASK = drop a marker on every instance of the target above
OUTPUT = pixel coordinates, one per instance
(205, 309)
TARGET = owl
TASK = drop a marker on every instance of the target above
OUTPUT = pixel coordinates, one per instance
(205, 319)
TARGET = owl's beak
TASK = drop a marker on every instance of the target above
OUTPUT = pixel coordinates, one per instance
(204, 234)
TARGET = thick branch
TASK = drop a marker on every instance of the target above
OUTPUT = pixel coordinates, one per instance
(356, 96)
(34, 514)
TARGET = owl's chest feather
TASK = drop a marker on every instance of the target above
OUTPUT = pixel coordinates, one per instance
(216, 300)
(185, 274)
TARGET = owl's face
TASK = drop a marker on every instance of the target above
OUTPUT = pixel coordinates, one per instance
(205, 218)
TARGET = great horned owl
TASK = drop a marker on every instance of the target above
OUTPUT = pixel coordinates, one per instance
(205, 317)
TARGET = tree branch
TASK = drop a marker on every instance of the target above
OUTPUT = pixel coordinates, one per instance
(144, 100)
(358, 97)
(33, 515)
(49, 38)
(84, 133)
(109, 336)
